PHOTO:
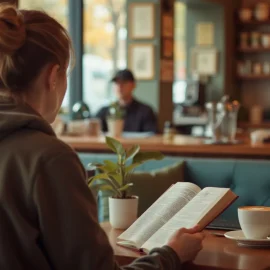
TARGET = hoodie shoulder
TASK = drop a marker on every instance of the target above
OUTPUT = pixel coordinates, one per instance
(35, 146)
(49, 145)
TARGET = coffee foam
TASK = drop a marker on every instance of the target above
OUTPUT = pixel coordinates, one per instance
(255, 208)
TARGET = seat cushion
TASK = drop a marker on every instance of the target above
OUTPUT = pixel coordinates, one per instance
(251, 182)
(209, 172)
(249, 179)
(150, 186)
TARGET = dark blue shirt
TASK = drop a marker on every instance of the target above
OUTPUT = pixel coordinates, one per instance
(139, 117)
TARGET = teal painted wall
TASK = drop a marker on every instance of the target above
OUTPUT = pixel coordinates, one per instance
(208, 13)
(148, 91)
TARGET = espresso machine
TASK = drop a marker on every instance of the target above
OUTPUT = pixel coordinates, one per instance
(193, 104)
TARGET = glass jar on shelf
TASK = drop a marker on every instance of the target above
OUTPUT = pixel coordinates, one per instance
(265, 40)
(255, 40)
(266, 68)
(245, 14)
(262, 11)
(257, 68)
(244, 38)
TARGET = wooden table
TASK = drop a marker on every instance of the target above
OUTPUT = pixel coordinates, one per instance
(180, 146)
(217, 253)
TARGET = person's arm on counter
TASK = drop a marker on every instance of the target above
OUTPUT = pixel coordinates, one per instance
(71, 234)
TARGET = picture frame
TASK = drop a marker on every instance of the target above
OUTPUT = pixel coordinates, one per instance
(205, 32)
(141, 21)
(141, 60)
(204, 61)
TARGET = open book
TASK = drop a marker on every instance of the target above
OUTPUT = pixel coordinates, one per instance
(183, 205)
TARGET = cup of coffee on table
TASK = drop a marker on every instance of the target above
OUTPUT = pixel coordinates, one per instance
(255, 221)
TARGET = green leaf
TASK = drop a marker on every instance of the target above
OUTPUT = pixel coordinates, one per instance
(131, 167)
(117, 177)
(100, 176)
(103, 187)
(103, 176)
(126, 187)
(115, 146)
(131, 152)
(145, 156)
(109, 166)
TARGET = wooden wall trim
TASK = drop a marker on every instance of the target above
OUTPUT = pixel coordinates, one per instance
(230, 7)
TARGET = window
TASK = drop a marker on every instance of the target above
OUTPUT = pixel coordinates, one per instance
(57, 9)
(180, 53)
(104, 49)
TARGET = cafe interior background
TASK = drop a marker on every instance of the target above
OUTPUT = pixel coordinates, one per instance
(196, 52)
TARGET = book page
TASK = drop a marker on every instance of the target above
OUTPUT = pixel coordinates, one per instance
(189, 216)
(174, 199)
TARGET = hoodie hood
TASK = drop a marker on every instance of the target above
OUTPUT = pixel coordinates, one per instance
(16, 116)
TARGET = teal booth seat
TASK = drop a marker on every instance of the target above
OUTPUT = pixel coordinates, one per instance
(249, 179)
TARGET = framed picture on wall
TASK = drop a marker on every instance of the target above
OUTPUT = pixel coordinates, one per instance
(141, 21)
(141, 61)
(204, 61)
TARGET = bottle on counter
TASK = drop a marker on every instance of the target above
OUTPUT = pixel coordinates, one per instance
(168, 131)
(256, 114)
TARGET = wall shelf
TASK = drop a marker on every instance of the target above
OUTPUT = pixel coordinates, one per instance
(253, 22)
(253, 50)
(254, 77)
(248, 125)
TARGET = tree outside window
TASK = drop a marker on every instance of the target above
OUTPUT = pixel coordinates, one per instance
(104, 43)
(57, 9)
(104, 47)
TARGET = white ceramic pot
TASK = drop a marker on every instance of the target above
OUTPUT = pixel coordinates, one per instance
(123, 212)
(115, 127)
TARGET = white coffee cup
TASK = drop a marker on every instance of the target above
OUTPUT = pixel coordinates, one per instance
(255, 221)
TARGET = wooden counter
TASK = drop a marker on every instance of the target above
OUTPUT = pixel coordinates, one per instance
(217, 253)
(250, 126)
(181, 146)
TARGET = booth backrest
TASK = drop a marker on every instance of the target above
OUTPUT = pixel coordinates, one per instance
(249, 179)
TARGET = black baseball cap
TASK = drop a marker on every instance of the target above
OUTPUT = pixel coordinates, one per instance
(124, 75)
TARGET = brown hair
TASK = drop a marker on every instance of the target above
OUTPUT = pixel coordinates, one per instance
(29, 40)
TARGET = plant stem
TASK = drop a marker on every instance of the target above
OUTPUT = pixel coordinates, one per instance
(122, 172)
(115, 187)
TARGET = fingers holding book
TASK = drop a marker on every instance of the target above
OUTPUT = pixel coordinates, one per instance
(187, 243)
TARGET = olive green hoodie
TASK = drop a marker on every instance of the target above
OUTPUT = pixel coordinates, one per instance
(48, 217)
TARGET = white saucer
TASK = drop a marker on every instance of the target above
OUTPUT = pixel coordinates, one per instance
(241, 240)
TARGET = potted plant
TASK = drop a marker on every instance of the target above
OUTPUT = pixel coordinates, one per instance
(115, 120)
(116, 177)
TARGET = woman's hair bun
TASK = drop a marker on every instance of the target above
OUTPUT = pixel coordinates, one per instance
(12, 29)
